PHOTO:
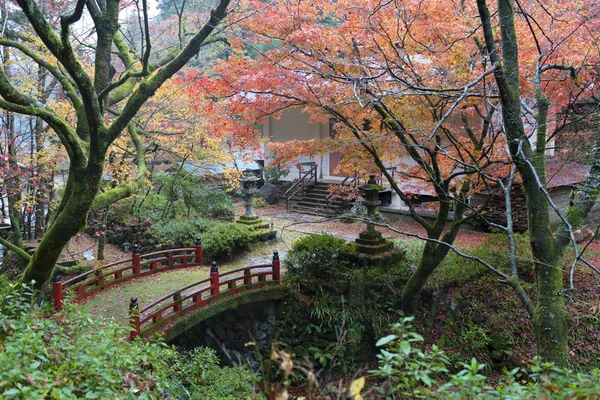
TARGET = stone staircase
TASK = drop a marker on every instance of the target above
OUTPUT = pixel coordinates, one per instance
(315, 202)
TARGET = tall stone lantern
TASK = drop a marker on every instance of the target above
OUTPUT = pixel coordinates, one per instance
(249, 183)
(370, 241)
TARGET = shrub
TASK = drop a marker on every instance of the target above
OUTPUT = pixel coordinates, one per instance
(181, 233)
(274, 173)
(226, 240)
(321, 256)
(212, 202)
(259, 202)
(70, 355)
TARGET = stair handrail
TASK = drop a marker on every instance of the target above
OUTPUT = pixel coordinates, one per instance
(331, 198)
(301, 184)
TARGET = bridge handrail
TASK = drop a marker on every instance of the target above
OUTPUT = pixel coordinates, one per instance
(170, 295)
(174, 300)
(249, 268)
(144, 318)
(168, 251)
(87, 283)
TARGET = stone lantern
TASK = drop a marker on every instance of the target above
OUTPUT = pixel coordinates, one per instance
(250, 188)
(370, 241)
(249, 183)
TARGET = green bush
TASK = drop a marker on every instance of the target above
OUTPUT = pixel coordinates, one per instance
(181, 233)
(259, 202)
(71, 355)
(321, 256)
(273, 173)
(213, 203)
(226, 240)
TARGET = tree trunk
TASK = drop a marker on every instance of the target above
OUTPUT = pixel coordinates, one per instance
(432, 256)
(550, 317)
(69, 221)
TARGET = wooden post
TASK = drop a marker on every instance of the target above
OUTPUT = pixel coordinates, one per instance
(276, 266)
(177, 306)
(57, 292)
(214, 279)
(134, 318)
(198, 250)
(137, 260)
(99, 280)
(247, 277)
(170, 260)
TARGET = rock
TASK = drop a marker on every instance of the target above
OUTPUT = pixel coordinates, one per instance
(271, 319)
(269, 193)
(260, 335)
(231, 317)
(220, 333)
(230, 335)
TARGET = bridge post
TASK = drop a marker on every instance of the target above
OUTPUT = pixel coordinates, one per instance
(137, 260)
(214, 279)
(177, 303)
(276, 266)
(57, 292)
(134, 318)
(198, 250)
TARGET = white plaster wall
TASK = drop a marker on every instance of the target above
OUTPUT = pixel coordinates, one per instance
(294, 124)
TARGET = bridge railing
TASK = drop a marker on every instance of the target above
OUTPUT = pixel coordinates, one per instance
(122, 271)
(200, 293)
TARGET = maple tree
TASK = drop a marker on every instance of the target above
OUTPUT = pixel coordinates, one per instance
(435, 89)
(105, 83)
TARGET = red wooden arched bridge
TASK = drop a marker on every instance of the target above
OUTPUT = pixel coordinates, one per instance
(165, 315)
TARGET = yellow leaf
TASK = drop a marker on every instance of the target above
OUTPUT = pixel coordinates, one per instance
(355, 388)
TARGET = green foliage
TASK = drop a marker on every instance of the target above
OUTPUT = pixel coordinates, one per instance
(69, 355)
(226, 240)
(408, 370)
(259, 202)
(321, 256)
(413, 250)
(412, 372)
(181, 232)
(274, 173)
(494, 250)
(202, 378)
(157, 221)
(211, 202)
(154, 206)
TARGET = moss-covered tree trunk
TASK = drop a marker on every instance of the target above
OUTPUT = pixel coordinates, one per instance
(69, 221)
(550, 317)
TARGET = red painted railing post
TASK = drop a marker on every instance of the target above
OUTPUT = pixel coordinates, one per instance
(276, 266)
(137, 260)
(57, 292)
(198, 250)
(214, 279)
(177, 304)
(134, 318)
